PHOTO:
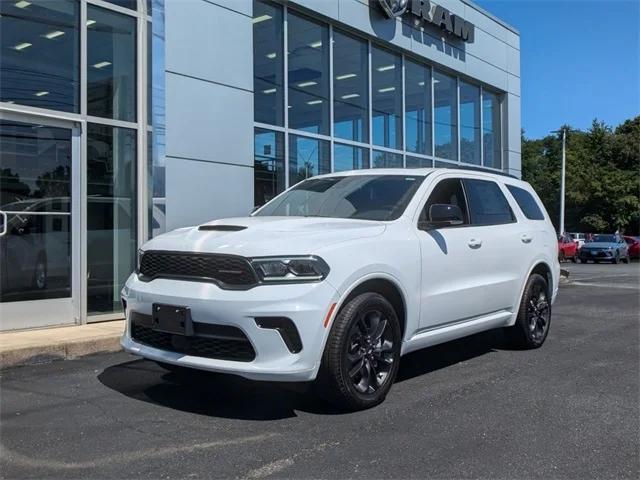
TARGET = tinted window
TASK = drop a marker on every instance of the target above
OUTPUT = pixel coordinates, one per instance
(526, 202)
(447, 192)
(366, 197)
(487, 204)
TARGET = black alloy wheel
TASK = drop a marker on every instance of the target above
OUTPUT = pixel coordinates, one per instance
(362, 354)
(538, 312)
(369, 355)
(534, 315)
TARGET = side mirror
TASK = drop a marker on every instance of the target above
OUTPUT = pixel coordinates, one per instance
(442, 215)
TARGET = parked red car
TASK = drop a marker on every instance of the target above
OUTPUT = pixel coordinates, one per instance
(567, 248)
(634, 246)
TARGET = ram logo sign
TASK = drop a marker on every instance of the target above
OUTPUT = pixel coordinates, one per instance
(426, 12)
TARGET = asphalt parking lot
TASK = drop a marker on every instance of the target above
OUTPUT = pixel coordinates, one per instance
(466, 409)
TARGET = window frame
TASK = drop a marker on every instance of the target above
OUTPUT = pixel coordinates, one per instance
(542, 213)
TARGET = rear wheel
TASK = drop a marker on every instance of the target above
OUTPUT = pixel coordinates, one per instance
(561, 256)
(574, 259)
(616, 258)
(627, 259)
(534, 315)
(582, 260)
(362, 355)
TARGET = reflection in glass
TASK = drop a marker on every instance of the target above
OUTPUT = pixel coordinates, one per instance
(417, 162)
(268, 63)
(417, 81)
(386, 92)
(40, 54)
(111, 64)
(35, 192)
(386, 160)
(445, 116)
(439, 164)
(111, 214)
(307, 157)
(269, 173)
(132, 4)
(347, 157)
(491, 129)
(308, 75)
(350, 88)
(469, 123)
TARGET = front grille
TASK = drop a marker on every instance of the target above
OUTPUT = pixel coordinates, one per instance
(236, 347)
(226, 270)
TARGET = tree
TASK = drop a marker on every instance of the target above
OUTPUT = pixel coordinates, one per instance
(602, 176)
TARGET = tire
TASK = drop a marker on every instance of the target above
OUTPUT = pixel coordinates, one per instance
(561, 257)
(362, 354)
(616, 259)
(40, 273)
(534, 315)
(582, 260)
(574, 259)
(627, 259)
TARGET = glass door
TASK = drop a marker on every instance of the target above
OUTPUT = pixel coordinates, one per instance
(38, 222)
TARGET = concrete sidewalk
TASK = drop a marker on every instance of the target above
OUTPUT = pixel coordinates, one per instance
(59, 343)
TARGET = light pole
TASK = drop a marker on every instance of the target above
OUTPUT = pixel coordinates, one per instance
(562, 176)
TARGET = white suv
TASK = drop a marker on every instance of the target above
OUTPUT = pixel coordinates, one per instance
(339, 276)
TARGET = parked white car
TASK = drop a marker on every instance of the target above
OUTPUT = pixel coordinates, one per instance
(339, 276)
(579, 238)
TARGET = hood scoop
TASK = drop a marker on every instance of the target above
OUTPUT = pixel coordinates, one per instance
(221, 228)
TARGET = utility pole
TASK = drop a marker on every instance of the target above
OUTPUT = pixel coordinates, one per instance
(564, 161)
(562, 176)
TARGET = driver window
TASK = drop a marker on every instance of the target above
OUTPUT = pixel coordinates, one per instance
(448, 191)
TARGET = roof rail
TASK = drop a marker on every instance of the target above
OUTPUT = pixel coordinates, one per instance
(484, 170)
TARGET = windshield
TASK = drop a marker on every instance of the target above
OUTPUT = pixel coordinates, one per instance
(365, 197)
(604, 238)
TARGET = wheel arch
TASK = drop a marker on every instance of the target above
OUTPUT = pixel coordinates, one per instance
(385, 287)
(542, 268)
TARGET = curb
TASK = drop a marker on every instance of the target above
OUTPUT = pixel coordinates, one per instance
(60, 351)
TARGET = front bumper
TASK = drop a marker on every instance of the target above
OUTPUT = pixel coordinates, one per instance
(586, 254)
(305, 304)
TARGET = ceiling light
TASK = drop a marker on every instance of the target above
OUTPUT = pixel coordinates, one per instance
(54, 34)
(387, 89)
(271, 90)
(22, 46)
(385, 68)
(22, 4)
(261, 18)
(41, 94)
(350, 95)
(316, 44)
(314, 102)
(345, 76)
(102, 64)
(307, 84)
(289, 106)
(90, 22)
(421, 84)
(272, 55)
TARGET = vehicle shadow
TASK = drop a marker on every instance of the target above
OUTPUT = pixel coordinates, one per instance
(230, 396)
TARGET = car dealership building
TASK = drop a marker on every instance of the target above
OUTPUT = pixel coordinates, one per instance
(120, 119)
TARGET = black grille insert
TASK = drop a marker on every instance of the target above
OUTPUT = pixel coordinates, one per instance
(228, 271)
(222, 342)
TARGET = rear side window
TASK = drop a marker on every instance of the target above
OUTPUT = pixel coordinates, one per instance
(526, 202)
(487, 204)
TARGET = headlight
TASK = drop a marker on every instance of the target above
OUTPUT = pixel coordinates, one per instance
(138, 258)
(290, 269)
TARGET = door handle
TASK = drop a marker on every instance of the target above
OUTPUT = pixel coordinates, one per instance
(526, 238)
(475, 243)
(4, 223)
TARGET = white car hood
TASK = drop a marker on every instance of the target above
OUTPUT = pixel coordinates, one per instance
(264, 236)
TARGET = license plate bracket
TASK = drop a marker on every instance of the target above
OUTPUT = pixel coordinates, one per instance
(172, 319)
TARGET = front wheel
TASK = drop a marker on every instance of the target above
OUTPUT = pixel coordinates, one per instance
(362, 355)
(534, 315)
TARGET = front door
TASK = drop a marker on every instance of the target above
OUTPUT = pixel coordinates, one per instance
(38, 222)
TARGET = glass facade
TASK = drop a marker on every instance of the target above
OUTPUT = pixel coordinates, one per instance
(329, 100)
(60, 70)
(40, 59)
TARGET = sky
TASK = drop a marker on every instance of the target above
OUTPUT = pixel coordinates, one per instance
(579, 60)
